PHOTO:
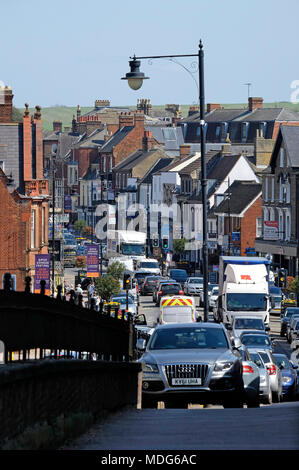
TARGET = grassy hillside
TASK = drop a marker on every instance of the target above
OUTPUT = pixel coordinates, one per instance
(65, 113)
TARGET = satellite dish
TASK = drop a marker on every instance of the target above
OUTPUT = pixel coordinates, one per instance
(54, 148)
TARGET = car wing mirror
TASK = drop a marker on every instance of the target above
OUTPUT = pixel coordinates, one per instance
(236, 343)
(140, 320)
(141, 344)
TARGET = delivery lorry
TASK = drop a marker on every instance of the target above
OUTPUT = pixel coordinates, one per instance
(243, 288)
(128, 243)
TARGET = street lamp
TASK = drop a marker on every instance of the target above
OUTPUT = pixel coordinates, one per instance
(135, 79)
(53, 161)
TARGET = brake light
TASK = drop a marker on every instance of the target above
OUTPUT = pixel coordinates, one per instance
(247, 369)
(160, 292)
(181, 292)
(271, 369)
(146, 284)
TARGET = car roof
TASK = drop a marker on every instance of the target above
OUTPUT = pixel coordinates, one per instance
(248, 317)
(191, 325)
(254, 332)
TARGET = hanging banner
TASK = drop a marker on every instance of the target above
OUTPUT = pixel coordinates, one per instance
(270, 230)
(42, 272)
(67, 203)
(92, 260)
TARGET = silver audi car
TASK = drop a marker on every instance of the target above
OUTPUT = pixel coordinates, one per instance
(192, 363)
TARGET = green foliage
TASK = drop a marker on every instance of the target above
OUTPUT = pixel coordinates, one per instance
(116, 270)
(179, 245)
(294, 285)
(16, 115)
(79, 225)
(107, 286)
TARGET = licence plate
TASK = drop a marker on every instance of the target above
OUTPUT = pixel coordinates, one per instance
(186, 381)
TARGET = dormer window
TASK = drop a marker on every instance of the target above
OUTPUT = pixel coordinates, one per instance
(281, 157)
(244, 131)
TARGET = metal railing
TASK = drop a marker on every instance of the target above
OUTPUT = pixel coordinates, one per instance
(35, 326)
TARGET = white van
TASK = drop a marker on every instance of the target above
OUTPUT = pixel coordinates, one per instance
(149, 265)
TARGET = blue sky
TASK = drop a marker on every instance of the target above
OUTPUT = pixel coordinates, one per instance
(71, 52)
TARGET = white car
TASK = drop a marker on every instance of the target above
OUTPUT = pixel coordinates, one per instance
(149, 265)
(213, 298)
(193, 285)
(132, 307)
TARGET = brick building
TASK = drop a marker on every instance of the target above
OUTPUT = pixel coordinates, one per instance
(24, 192)
(239, 217)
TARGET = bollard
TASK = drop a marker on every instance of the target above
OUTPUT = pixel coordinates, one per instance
(92, 303)
(80, 300)
(42, 287)
(72, 297)
(59, 293)
(27, 284)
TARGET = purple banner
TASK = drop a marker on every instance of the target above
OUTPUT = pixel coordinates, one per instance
(42, 272)
(92, 260)
(67, 203)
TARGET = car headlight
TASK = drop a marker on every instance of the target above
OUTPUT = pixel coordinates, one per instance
(220, 366)
(151, 368)
(286, 380)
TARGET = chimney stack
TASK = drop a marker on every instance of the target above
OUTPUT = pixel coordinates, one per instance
(212, 106)
(148, 142)
(126, 119)
(184, 150)
(6, 97)
(57, 126)
(255, 103)
(139, 119)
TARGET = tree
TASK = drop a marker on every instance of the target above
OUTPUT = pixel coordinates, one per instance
(116, 270)
(80, 262)
(79, 225)
(294, 287)
(107, 286)
(179, 245)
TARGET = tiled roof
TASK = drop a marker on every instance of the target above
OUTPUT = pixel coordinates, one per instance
(116, 138)
(242, 193)
(158, 166)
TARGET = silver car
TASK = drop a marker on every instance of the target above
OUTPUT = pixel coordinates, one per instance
(290, 327)
(251, 379)
(193, 285)
(192, 362)
(273, 371)
(256, 339)
(241, 324)
(265, 387)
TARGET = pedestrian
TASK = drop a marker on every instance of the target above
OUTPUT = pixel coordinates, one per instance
(79, 290)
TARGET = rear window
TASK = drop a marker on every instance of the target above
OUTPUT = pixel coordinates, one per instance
(172, 288)
(177, 314)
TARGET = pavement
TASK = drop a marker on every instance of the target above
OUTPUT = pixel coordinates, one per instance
(266, 428)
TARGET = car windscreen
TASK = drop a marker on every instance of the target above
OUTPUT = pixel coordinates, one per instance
(195, 281)
(249, 324)
(188, 338)
(282, 362)
(291, 311)
(256, 358)
(246, 302)
(122, 300)
(255, 340)
(149, 265)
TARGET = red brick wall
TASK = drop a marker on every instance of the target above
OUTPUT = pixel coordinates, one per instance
(133, 140)
(14, 223)
(284, 123)
(27, 148)
(6, 98)
(248, 225)
(39, 149)
(84, 157)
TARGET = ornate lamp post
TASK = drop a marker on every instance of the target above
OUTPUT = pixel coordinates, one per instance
(135, 79)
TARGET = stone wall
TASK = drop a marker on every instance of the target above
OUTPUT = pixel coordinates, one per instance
(43, 403)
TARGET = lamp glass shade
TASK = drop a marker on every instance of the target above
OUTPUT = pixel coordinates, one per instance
(135, 82)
